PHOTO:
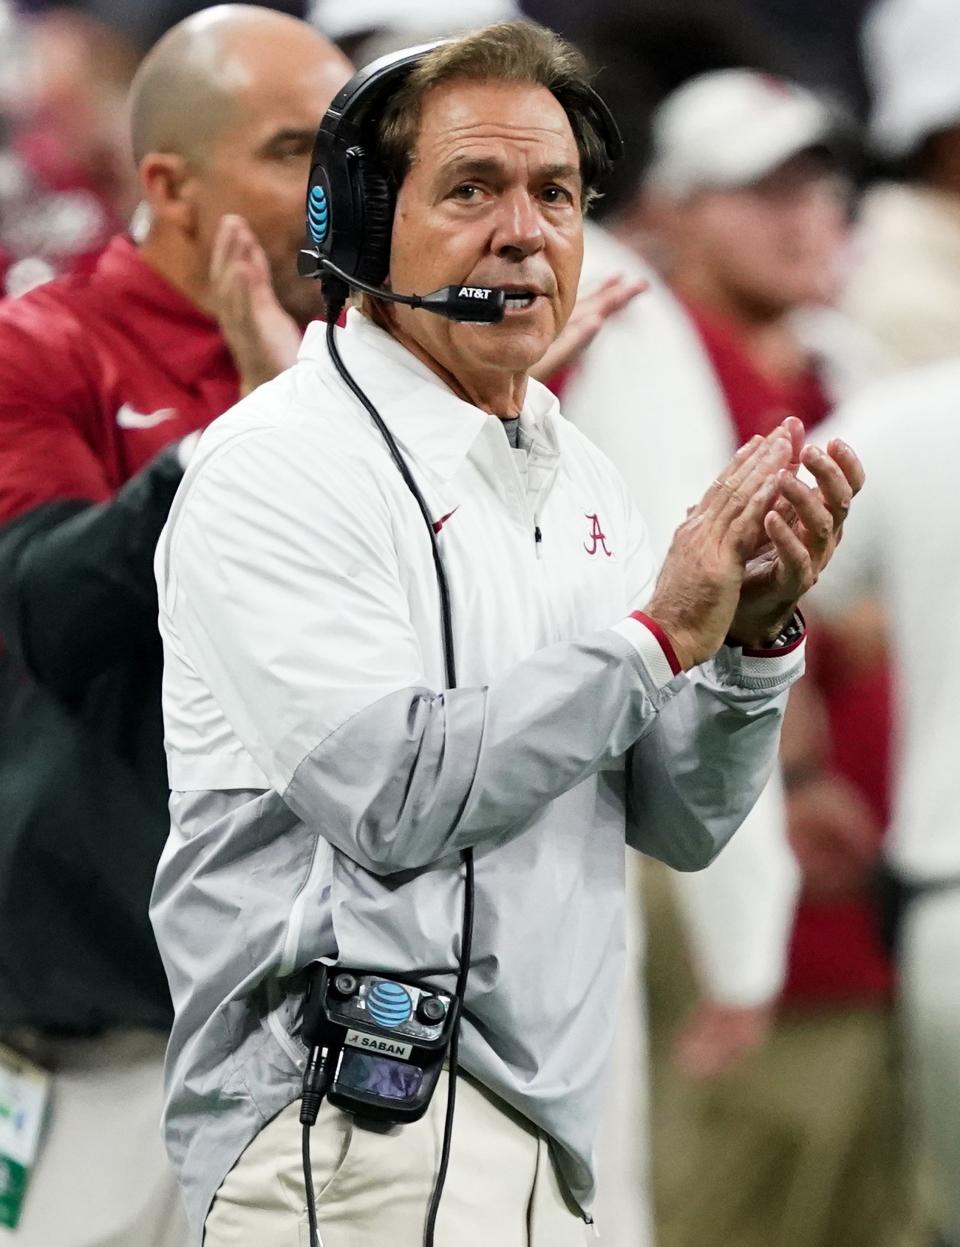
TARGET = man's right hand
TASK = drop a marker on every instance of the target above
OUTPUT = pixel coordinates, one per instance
(263, 339)
(718, 1036)
(698, 588)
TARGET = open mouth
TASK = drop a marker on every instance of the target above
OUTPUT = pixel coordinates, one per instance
(517, 300)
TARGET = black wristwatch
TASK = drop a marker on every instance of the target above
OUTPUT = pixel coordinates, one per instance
(789, 635)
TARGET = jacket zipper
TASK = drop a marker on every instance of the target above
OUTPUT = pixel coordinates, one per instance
(543, 585)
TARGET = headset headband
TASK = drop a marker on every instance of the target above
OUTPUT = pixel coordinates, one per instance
(355, 101)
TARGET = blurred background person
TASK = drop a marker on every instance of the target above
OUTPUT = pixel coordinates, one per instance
(67, 182)
(745, 207)
(905, 283)
(104, 381)
(905, 287)
(905, 559)
(66, 179)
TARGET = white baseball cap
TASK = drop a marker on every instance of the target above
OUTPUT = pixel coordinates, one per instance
(340, 18)
(912, 54)
(729, 128)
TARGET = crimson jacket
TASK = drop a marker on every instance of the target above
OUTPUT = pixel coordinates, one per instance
(100, 376)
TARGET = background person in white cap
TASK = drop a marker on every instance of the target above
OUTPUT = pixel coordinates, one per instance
(792, 1141)
(744, 206)
(905, 286)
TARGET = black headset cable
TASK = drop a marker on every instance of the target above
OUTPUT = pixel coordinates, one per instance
(334, 308)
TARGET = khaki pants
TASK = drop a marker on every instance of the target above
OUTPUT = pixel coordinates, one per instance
(800, 1145)
(373, 1184)
(102, 1178)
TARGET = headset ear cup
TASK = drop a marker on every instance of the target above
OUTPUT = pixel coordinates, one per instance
(376, 196)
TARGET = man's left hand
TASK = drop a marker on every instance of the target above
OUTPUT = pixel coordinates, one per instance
(802, 530)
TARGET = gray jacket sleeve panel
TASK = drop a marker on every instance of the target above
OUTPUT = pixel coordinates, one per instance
(691, 783)
(418, 776)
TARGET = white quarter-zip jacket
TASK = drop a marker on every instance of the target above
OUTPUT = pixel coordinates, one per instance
(325, 782)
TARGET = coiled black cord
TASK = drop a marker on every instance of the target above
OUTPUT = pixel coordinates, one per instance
(315, 1239)
(466, 945)
(466, 935)
(446, 618)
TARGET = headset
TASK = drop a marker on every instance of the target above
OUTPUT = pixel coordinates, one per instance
(350, 206)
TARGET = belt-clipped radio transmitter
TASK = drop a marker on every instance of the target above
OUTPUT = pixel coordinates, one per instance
(384, 1041)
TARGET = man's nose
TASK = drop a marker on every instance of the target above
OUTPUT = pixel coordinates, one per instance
(518, 232)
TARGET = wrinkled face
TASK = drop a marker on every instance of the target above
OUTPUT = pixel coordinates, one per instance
(774, 245)
(259, 162)
(493, 198)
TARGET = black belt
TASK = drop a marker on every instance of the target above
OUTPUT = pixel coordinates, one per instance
(895, 895)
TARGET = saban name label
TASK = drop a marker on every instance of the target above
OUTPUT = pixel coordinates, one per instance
(373, 1043)
(474, 292)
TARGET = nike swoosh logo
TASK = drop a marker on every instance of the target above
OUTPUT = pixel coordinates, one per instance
(438, 524)
(129, 418)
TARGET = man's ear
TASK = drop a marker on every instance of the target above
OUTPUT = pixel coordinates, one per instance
(169, 187)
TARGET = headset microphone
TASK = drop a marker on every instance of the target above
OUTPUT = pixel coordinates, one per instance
(476, 305)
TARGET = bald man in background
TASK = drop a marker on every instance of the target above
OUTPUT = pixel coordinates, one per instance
(104, 383)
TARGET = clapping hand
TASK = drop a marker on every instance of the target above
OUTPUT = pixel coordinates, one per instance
(803, 529)
(754, 544)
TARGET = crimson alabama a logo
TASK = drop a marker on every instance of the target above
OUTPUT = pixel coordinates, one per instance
(597, 537)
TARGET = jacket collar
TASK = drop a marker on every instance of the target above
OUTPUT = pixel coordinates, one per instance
(422, 412)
